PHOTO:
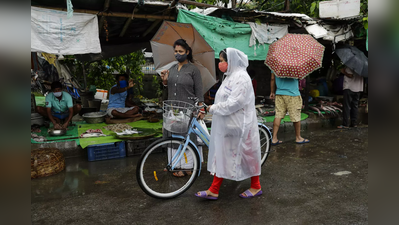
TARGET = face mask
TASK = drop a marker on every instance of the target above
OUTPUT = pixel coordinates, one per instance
(122, 83)
(223, 66)
(57, 94)
(181, 58)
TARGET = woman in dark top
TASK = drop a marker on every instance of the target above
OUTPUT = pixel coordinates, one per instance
(183, 81)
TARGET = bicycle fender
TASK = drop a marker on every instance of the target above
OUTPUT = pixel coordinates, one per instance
(267, 128)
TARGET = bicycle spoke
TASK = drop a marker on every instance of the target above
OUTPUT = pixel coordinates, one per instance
(154, 170)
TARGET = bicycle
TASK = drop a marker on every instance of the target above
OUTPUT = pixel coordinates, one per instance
(157, 163)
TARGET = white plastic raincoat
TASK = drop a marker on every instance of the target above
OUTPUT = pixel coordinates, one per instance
(234, 150)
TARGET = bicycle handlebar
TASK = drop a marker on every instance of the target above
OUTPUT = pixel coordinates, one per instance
(196, 100)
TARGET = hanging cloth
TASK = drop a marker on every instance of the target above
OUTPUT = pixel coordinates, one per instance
(69, 9)
(266, 34)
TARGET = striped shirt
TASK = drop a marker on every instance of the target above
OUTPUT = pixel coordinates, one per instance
(185, 83)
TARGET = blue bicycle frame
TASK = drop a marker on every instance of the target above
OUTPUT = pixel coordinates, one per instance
(199, 131)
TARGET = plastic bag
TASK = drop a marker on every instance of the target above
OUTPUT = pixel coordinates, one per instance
(203, 125)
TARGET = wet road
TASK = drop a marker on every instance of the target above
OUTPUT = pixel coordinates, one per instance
(297, 180)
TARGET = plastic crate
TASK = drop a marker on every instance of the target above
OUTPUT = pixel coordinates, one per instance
(106, 151)
(137, 147)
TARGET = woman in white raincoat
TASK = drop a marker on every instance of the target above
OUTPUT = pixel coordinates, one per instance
(234, 150)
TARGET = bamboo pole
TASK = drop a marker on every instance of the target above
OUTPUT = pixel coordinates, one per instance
(114, 14)
(106, 6)
(84, 76)
(127, 23)
(233, 4)
(153, 25)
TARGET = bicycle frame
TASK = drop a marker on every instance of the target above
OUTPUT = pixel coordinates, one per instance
(196, 128)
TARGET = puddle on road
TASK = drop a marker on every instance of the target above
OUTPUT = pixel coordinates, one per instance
(79, 178)
(342, 173)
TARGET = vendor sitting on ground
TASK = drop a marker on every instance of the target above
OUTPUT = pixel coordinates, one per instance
(119, 105)
(59, 107)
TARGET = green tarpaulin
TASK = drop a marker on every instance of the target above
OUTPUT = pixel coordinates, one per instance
(269, 119)
(71, 135)
(220, 34)
(84, 142)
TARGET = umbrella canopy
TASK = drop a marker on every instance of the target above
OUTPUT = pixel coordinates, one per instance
(295, 56)
(355, 59)
(203, 54)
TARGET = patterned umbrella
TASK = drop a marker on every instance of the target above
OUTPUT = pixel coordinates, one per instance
(203, 54)
(295, 56)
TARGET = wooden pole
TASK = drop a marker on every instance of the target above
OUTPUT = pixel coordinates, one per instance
(153, 25)
(307, 93)
(101, 24)
(84, 76)
(114, 14)
(128, 21)
(287, 5)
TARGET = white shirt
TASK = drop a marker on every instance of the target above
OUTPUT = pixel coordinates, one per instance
(355, 83)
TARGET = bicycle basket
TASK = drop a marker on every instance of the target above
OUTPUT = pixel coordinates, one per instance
(176, 116)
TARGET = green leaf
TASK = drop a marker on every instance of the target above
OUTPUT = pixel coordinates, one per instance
(366, 25)
(313, 7)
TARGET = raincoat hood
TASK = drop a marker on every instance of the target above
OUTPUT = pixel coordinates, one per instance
(236, 60)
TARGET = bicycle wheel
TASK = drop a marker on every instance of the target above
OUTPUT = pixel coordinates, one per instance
(265, 138)
(154, 169)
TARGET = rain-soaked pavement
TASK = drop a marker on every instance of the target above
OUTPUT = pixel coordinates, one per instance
(298, 182)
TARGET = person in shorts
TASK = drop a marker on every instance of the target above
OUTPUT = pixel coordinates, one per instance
(119, 105)
(287, 97)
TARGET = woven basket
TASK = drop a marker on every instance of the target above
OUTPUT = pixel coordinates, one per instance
(46, 162)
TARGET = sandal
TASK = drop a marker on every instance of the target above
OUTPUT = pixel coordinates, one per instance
(342, 127)
(182, 173)
(248, 194)
(203, 194)
(277, 143)
(303, 142)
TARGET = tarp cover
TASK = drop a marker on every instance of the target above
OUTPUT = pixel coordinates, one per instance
(52, 32)
(220, 34)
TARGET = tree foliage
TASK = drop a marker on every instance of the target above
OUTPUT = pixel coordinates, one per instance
(101, 73)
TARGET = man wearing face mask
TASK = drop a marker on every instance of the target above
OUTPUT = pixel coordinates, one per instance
(119, 105)
(59, 107)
